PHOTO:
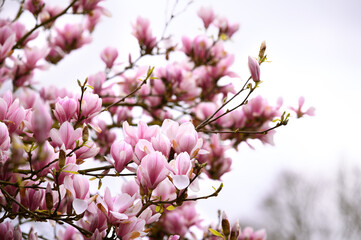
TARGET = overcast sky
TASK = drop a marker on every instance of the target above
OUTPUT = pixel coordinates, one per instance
(314, 46)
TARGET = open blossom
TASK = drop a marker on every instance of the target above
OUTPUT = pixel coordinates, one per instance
(116, 207)
(226, 28)
(249, 234)
(91, 105)
(71, 37)
(181, 168)
(11, 113)
(78, 186)
(96, 81)
(310, 111)
(254, 69)
(142, 31)
(184, 137)
(66, 135)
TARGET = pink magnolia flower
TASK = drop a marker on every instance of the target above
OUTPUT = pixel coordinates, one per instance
(310, 111)
(142, 148)
(31, 198)
(42, 158)
(66, 135)
(165, 191)
(142, 31)
(52, 93)
(116, 207)
(89, 150)
(131, 188)
(20, 30)
(70, 233)
(180, 220)
(91, 105)
(152, 170)
(78, 186)
(197, 49)
(34, 6)
(143, 131)
(254, 69)
(4, 137)
(7, 41)
(65, 109)
(41, 121)
(69, 167)
(122, 153)
(71, 37)
(249, 234)
(226, 28)
(11, 113)
(162, 144)
(96, 81)
(181, 168)
(131, 229)
(184, 137)
(109, 55)
(33, 55)
(48, 12)
(7, 231)
(93, 19)
(207, 15)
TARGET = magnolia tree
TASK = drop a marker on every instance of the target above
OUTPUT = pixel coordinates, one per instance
(158, 129)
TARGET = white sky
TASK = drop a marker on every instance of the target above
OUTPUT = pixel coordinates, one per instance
(314, 46)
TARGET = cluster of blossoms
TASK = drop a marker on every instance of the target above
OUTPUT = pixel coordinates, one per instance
(185, 130)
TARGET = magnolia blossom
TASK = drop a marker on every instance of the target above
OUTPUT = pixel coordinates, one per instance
(152, 170)
(109, 55)
(142, 31)
(254, 69)
(122, 153)
(207, 15)
(65, 109)
(310, 111)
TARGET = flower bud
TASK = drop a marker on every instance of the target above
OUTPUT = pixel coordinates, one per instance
(49, 197)
(253, 66)
(62, 157)
(262, 50)
(85, 134)
(226, 228)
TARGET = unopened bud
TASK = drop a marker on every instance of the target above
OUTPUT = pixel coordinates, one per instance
(62, 157)
(226, 228)
(85, 135)
(262, 50)
(49, 197)
(235, 231)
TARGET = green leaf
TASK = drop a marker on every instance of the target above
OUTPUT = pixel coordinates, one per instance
(70, 172)
(159, 209)
(170, 208)
(216, 233)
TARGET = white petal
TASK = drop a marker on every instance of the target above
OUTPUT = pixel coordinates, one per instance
(181, 181)
(120, 216)
(80, 205)
(195, 186)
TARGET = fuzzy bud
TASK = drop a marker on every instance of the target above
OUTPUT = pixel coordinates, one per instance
(226, 228)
